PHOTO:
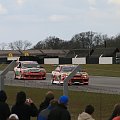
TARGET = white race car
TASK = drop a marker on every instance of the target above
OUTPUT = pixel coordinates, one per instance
(62, 71)
(29, 70)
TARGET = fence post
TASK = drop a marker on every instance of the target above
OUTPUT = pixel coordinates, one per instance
(65, 84)
(5, 71)
(1, 82)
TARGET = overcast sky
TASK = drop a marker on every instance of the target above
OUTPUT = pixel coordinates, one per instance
(35, 20)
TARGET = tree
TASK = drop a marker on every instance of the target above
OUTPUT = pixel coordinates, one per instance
(84, 40)
(20, 45)
(3, 46)
(50, 42)
(40, 45)
(53, 42)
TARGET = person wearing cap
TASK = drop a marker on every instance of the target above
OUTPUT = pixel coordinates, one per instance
(24, 108)
(60, 112)
(13, 117)
(48, 97)
(4, 108)
(87, 114)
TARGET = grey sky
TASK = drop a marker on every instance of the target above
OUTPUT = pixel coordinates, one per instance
(34, 20)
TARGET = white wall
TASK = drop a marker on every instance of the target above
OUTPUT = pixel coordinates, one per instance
(12, 58)
(105, 60)
(51, 60)
(79, 60)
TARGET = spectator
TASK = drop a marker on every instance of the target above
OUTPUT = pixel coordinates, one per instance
(116, 112)
(60, 112)
(4, 108)
(49, 96)
(116, 118)
(87, 114)
(24, 108)
(43, 115)
(13, 117)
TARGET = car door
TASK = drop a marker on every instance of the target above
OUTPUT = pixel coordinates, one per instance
(18, 69)
(56, 73)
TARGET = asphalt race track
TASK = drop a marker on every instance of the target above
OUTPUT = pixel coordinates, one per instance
(98, 84)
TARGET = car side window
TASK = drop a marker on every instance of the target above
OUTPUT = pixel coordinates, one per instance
(19, 65)
(57, 69)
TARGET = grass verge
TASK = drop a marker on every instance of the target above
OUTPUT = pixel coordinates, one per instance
(103, 103)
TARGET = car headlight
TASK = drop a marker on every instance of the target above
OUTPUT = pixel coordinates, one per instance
(63, 76)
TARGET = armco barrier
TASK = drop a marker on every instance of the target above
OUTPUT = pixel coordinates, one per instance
(4, 72)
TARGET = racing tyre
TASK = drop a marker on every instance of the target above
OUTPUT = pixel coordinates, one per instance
(44, 78)
(85, 83)
(15, 76)
(52, 81)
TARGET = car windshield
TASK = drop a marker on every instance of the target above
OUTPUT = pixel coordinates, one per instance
(30, 65)
(67, 68)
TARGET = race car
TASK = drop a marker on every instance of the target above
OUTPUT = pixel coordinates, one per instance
(63, 71)
(29, 70)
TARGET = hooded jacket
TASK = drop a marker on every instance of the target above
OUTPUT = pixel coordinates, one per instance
(4, 108)
(23, 110)
(43, 105)
(85, 116)
(60, 112)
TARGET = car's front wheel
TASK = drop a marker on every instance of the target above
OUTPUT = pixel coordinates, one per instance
(20, 77)
(52, 81)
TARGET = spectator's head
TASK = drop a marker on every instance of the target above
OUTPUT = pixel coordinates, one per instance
(49, 96)
(3, 96)
(116, 110)
(21, 97)
(116, 118)
(53, 103)
(89, 109)
(13, 117)
(63, 100)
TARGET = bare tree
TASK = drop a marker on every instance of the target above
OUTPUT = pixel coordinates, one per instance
(27, 44)
(3, 46)
(20, 45)
(53, 42)
(40, 45)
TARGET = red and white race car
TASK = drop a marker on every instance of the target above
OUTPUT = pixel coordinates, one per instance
(29, 70)
(62, 71)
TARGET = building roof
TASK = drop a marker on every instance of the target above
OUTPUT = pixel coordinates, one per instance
(104, 52)
(47, 52)
(78, 53)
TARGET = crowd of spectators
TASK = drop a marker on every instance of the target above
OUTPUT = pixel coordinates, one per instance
(49, 109)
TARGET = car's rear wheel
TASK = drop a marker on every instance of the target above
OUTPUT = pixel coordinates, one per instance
(85, 83)
(52, 81)
(44, 78)
(15, 76)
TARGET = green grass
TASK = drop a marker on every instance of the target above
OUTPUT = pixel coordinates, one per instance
(103, 103)
(78, 100)
(3, 66)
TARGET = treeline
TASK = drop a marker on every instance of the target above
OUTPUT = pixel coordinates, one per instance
(80, 41)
